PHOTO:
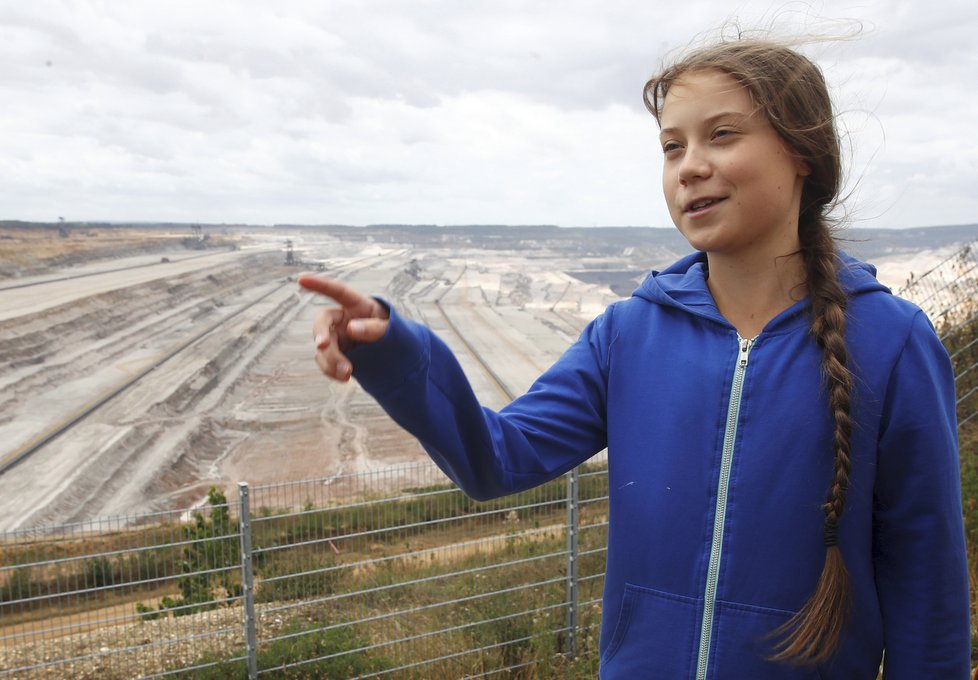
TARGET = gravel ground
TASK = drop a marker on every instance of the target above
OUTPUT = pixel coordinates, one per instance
(135, 650)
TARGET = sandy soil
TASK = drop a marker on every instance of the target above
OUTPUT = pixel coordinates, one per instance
(216, 345)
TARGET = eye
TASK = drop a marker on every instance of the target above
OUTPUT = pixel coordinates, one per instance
(723, 132)
(671, 148)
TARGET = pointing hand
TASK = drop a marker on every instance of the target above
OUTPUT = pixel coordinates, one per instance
(356, 320)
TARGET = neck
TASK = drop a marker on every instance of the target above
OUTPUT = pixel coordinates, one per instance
(751, 292)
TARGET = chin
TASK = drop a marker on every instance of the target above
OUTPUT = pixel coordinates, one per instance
(700, 242)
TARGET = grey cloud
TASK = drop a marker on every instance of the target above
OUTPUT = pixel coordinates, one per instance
(942, 34)
(301, 103)
(49, 31)
(430, 52)
(256, 62)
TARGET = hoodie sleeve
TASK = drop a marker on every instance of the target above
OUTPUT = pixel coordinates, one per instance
(557, 424)
(920, 557)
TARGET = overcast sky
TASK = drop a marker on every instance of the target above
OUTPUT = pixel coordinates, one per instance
(440, 111)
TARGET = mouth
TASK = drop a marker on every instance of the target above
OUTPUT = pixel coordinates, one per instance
(699, 205)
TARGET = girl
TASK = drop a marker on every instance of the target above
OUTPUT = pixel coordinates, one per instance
(783, 473)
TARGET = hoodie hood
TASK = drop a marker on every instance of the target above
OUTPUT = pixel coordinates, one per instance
(683, 285)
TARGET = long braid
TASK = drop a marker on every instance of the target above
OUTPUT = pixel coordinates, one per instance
(813, 633)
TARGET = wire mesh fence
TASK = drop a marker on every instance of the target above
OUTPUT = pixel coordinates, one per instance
(387, 574)
(110, 599)
(948, 293)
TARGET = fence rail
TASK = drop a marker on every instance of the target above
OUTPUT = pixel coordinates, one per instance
(372, 575)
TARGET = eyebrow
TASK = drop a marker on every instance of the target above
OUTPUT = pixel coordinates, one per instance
(709, 121)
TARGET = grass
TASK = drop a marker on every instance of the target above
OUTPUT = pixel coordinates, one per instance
(969, 493)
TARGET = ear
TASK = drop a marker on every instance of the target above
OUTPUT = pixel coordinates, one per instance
(802, 168)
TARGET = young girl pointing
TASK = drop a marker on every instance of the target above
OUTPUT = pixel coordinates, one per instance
(782, 446)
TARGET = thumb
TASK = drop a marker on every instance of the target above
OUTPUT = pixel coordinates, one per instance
(367, 330)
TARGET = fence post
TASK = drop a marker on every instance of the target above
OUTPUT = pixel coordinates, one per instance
(248, 581)
(573, 525)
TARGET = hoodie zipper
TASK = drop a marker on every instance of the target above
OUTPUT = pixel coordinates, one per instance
(726, 461)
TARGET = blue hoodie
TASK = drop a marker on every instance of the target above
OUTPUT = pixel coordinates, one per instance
(720, 457)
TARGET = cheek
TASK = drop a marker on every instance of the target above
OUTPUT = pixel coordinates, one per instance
(670, 183)
(669, 193)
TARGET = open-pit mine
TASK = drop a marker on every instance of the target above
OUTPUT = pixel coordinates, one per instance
(141, 366)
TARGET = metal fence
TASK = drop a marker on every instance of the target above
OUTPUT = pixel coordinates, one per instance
(394, 573)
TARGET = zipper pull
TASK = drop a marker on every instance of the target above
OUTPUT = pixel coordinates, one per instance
(745, 346)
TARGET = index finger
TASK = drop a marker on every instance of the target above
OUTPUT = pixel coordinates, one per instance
(337, 290)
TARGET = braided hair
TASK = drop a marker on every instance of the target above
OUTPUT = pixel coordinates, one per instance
(791, 91)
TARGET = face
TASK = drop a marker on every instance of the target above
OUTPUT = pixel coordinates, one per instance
(731, 183)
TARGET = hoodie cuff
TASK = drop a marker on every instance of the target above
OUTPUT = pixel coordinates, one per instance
(388, 363)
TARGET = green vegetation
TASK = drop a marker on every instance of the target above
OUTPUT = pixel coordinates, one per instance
(960, 336)
(969, 490)
(331, 647)
(208, 564)
(19, 585)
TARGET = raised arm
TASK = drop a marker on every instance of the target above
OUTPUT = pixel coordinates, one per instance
(417, 380)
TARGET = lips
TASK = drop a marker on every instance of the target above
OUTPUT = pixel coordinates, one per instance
(702, 203)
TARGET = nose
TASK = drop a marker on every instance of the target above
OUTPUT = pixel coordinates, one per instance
(694, 165)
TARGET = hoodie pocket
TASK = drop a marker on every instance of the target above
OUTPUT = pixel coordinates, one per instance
(743, 644)
(655, 636)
